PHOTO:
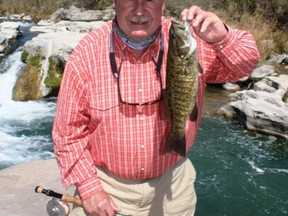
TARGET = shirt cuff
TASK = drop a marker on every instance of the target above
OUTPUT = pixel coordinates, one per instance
(89, 187)
(227, 43)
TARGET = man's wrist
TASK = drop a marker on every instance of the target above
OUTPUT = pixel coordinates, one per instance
(89, 187)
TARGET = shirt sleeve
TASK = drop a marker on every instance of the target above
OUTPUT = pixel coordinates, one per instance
(229, 60)
(70, 133)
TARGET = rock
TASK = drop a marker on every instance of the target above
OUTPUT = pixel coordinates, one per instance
(284, 61)
(108, 14)
(56, 16)
(262, 109)
(66, 26)
(27, 85)
(3, 44)
(18, 197)
(88, 16)
(76, 14)
(11, 29)
(244, 79)
(46, 55)
(27, 18)
(66, 14)
(231, 86)
(276, 59)
(262, 71)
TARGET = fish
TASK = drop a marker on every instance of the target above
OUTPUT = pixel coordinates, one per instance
(181, 85)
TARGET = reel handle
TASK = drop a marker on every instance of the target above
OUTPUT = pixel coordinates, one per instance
(63, 197)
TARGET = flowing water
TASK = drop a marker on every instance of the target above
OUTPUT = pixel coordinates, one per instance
(25, 127)
(239, 172)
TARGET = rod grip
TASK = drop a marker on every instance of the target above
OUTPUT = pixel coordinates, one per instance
(72, 199)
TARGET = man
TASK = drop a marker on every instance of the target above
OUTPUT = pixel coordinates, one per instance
(107, 142)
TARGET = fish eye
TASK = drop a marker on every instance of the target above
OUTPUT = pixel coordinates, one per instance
(174, 36)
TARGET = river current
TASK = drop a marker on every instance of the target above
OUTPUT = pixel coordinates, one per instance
(239, 172)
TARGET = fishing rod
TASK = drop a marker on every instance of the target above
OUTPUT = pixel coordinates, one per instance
(58, 205)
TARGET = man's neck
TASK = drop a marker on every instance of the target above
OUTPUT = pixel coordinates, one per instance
(139, 53)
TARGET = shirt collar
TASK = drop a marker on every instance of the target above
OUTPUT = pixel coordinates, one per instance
(119, 44)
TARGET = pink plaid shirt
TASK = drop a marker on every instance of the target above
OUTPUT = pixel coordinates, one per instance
(92, 128)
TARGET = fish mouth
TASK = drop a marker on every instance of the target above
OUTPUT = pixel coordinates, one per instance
(182, 26)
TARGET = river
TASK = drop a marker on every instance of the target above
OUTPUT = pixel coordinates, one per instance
(239, 172)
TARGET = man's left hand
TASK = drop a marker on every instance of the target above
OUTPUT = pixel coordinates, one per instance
(207, 26)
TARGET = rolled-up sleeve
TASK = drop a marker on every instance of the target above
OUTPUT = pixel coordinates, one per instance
(70, 133)
(231, 59)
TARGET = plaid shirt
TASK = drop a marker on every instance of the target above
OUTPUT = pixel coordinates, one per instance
(93, 128)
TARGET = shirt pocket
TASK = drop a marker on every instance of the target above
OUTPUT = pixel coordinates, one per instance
(103, 105)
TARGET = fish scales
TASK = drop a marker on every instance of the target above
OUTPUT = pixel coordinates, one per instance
(181, 84)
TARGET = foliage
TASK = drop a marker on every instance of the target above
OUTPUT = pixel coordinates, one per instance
(24, 56)
(36, 61)
(55, 73)
(44, 8)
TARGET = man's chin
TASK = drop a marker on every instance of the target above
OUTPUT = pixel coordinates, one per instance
(139, 35)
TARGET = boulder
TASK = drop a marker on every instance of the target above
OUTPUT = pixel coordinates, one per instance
(18, 197)
(56, 16)
(27, 18)
(66, 26)
(11, 29)
(108, 14)
(264, 108)
(76, 14)
(46, 56)
(231, 86)
(262, 71)
(88, 16)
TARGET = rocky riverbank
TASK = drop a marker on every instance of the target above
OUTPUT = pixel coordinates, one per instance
(262, 107)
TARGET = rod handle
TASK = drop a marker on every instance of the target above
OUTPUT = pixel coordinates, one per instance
(72, 199)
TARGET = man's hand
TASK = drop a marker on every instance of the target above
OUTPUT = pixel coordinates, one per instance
(207, 26)
(100, 204)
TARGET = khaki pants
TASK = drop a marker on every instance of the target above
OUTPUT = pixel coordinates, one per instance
(170, 194)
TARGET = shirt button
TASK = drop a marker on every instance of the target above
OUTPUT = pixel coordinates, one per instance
(142, 169)
(142, 146)
(221, 46)
(141, 118)
(139, 62)
(139, 90)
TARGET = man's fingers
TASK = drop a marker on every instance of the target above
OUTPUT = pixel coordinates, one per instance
(114, 206)
(184, 14)
(206, 23)
(193, 12)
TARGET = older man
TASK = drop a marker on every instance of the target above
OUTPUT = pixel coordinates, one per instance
(108, 141)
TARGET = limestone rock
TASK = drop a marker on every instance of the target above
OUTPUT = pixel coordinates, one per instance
(262, 71)
(11, 29)
(231, 86)
(76, 14)
(263, 108)
(47, 55)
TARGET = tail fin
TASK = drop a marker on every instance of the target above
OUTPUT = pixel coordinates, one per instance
(177, 145)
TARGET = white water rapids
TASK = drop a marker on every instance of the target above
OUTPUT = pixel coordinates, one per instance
(25, 127)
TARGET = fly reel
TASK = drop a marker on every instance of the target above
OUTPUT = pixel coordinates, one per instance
(56, 207)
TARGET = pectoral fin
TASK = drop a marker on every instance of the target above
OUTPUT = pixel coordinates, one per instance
(194, 113)
(200, 70)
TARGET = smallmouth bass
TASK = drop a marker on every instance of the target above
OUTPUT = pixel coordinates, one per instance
(181, 85)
